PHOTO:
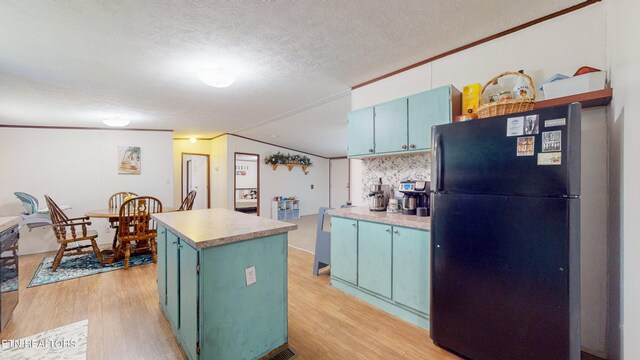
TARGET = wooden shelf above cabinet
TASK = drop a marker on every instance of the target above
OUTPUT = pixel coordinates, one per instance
(590, 99)
(291, 166)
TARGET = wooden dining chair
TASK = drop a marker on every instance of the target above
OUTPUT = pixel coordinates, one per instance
(115, 201)
(187, 203)
(135, 225)
(66, 232)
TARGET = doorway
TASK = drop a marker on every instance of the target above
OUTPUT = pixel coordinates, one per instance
(338, 182)
(246, 183)
(196, 176)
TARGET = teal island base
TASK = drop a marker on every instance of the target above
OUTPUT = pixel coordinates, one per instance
(224, 293)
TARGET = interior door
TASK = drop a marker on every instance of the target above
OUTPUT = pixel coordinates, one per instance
(339, 182)
(196, 177)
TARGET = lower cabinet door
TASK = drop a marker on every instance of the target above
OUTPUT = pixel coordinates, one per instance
(162, 265)
(344, 249)
(411, 268)
(189, 298)
(374, 257)
(172, 281)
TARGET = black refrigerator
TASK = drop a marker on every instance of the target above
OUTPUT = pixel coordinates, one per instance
(505, 236)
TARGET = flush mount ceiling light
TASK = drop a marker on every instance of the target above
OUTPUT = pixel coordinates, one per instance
(217, 77)
(116, 122)
(193, 140)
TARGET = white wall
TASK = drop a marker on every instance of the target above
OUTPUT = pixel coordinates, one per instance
(560, 45)
(624, 54)
(220, 172)
(78, 168)
(282, 182)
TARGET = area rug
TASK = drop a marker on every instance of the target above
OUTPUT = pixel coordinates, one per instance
(67, 342)
(76, 266)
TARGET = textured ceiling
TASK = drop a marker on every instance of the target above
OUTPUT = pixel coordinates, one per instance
(75, 63)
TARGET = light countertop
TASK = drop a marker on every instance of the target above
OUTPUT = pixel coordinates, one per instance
(7, 222)
(214, 227)
(383, 217)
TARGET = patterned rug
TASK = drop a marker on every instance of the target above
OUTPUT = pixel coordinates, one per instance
(66, 342)
(76, 266)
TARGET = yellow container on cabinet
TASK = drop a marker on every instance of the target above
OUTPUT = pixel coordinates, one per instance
(470, 98)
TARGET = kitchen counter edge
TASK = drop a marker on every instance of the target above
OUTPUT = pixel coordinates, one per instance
(383, 217)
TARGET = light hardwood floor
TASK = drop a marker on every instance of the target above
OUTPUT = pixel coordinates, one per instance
(125, 321)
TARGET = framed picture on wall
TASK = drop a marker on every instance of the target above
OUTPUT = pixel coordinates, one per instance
(129, 160)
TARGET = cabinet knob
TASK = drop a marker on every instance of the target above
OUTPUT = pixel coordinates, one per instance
(370, 150)
(173, 242)
(412, 146)
(404, 146)
(395, 231)
(354, 224)
(387, 230)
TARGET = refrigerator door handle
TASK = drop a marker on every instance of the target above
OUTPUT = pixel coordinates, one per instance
(437, 157)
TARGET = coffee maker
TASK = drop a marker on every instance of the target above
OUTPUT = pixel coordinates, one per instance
(379, 196)
(416, 197)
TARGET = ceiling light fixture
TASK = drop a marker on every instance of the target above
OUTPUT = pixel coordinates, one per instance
(217, 77)
(193, 140)
(116, 122)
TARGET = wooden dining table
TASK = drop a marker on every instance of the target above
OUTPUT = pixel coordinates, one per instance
(113, 214)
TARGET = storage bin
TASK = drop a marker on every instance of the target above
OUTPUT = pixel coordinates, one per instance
(575, 85)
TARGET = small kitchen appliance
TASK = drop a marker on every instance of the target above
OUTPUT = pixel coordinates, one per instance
(379, 196)
(416, 195)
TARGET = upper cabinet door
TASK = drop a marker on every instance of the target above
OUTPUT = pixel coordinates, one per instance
(425, 110)
(360, 132)
(391, 126)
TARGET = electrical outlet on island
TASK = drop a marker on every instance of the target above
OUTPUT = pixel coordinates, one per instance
(250, 275)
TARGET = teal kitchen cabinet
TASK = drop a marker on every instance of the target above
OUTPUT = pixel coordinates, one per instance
(401, 126)
(390, 126)
(374, 257)
(162, 266)
(393, 266)
(360, 138)
(433, 107)
(411, 268)
(172, 272)
(344, 249)
(188, 277)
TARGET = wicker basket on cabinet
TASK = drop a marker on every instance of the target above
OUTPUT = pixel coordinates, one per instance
(504, 107)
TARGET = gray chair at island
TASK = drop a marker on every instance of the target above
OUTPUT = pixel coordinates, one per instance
(323, 244)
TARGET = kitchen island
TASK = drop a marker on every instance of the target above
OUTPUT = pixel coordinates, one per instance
(384, 259)
(222, 282)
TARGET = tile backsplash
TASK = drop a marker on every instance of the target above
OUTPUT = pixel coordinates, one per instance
(394, 169)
